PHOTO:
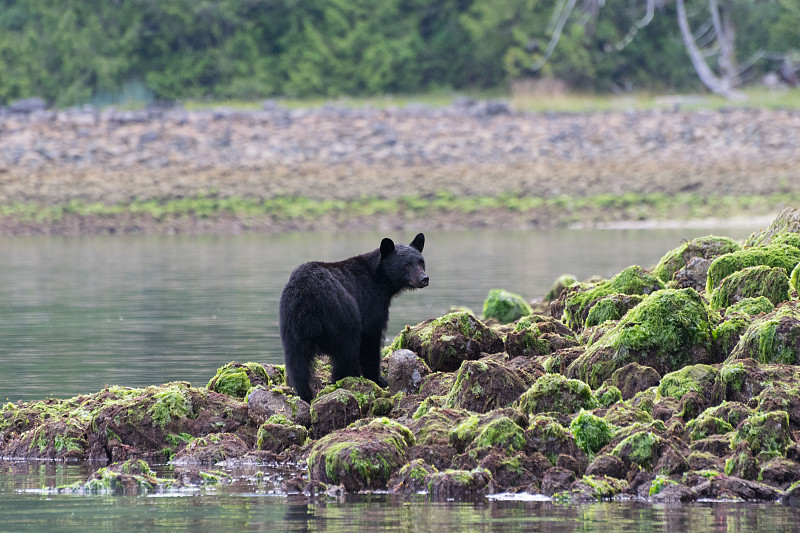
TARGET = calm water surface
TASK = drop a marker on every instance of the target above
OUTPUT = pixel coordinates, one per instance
(77, 314)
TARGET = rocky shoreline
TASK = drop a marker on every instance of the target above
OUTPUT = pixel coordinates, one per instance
(671, 385)
(469, 149)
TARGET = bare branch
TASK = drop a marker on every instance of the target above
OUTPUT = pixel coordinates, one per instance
(563, 10)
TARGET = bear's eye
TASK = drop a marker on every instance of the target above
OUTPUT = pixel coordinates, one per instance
(406, 265)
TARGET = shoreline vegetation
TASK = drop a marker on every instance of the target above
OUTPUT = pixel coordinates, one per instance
(209, 214)
(457, 165)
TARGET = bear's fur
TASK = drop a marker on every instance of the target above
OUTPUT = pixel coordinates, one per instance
(341, 310)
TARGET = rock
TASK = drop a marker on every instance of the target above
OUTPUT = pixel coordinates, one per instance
(263, 403)
(577, 301)
(607, 465)
(503, 428)
(405, 372)
(484, 385)
(458, 484)
(693, 276)
(633, 378)
(412, 478)
(334, 410)
(547, 436)
(772, 338)
(767, 433)
(774, 255)
(505, 306)
(362, 457)
(235, 379)
(591, 432)
(434, 426)
(701, 248)
(211, 449)
(733, 488)
(129, 478)
(596, 488)
(444, 343)
(512, 472)
(278, 434)
(555, 393)
(703, 380)
(27, 106)
(752, 282)
(557, 480)
(527, 339)
(787, 221)
(668, 330)
(673, 493)
(611, 307)
(562, 282)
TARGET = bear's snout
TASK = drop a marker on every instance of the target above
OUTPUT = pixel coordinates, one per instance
(421, 282)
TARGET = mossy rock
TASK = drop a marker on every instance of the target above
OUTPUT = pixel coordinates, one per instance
(278, 434)
(668, 330)
(704, 380)
(484, 385)
(707, 247)
(502, 426)
(433, 427)
(773, 338)
(790, 238)
(608, 395)
(412, 478)
(640, 448)
(595, 489)
(548, 436)
(235, 379)
(334, 410)
(746, 379)
(726, 334)
(527, 339)
(561, 283)
(281, 400)
(717, 420)
(764, 433)
(363, 457)
(505, 306)
(591, 432)
(752, 306)
(444, 343)
(775, 255)
(211, 449)
(555, 393)
(787, 221)
(578, 300)
(634, 378)
(781, 396)
(612, 307)
(366, 391)
(794, 280)
(130, 478)
(458, 484)
(752, 282)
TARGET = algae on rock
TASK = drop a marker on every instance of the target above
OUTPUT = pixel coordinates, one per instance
(751, 282)
(774, 255)
(773, 338)
(707, 247)
(505, 306)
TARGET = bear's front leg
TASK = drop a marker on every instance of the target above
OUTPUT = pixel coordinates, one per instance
(370, 359)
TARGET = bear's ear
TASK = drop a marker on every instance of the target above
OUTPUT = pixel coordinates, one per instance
(418, 242)
(387, 247)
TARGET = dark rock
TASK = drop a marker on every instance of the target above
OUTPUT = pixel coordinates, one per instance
(484, 385)
(557, 480)
(211, 449)
(733, 488)
(458, 484)
(607, 465)
(412, 478)
(332, 411)
(405, 372)
(263, 403)
(277, 438)
(633, 378)
(780, 473)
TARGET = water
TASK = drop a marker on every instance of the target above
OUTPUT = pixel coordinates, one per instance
(79, 313)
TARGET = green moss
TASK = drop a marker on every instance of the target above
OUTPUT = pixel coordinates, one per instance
(702, 379)
(705, 426)
(752, 282)
(791, 238)
(632, 280)
(612, 307)
(706, 247)
(773, 338)
(639, 448)
(658, 484)
(777, 255)
(505, 306)
(608, 396)
(664, 331)
(555, 393)
(562, 282)
(794, 279)
(603, 487)
(232, 381)
(502, 432)
(752, 306)
(591, 432)
(173, 402)
(764, 433)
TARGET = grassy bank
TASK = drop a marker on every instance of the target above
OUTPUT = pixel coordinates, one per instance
(210, 213)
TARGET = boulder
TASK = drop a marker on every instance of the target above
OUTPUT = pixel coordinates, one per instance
(405, 372)
(703, 248)
(484, 385)
(263, 403)
(555, 393)
(505, 306)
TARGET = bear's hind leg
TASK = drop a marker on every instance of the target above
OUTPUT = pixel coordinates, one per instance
(298, 371)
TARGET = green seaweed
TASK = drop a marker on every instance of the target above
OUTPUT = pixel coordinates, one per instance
(591, 432)
(505, 306)
(773, 255)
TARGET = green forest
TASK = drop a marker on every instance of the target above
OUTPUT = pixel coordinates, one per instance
(71, 52)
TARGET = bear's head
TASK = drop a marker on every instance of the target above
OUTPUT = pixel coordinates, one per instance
(404, 266)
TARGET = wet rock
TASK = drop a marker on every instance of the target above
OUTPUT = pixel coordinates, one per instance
(434, 426)
(611, 307)
(438, 456)
(235, 379)
(633, 378)
(774, 255)
(673, 493)
(703, 249)
(458, 484)
(372, 399)
(607, 465)
(555, 393)
(412, 478)
(263, 403)
(752, 282)
(703, 380)
(514, 472)
(405, 372)
(129, 478)
(578, 300)
(362, 457)
(334, 410)
(787, 221)
(446, 342)
(278, 434)
(505, 306)
(557, 480)
(547, 436)
(716, 445)
(693, 276)
(591, 432)
(668, 330)
(592, 488)
(211, 449)
(559, 361)
(484, 385)
(562, 282)
(773, 338)
(733, 488)
(766, 433)
(526, 339)
(502, 428)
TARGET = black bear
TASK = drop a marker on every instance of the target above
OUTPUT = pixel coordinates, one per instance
(341, 310)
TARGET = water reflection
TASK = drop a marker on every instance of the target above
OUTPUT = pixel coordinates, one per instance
(77, 314)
